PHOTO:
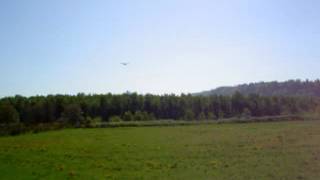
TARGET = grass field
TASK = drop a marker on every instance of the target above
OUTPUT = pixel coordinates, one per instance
(282, 150)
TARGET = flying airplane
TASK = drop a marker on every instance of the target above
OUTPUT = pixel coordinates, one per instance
(124, 63)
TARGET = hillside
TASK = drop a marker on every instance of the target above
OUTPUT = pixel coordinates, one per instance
(287, 88)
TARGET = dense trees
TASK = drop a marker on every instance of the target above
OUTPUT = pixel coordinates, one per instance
(8, 114)
(129, 107)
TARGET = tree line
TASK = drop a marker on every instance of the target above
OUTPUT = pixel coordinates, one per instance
(74, 109)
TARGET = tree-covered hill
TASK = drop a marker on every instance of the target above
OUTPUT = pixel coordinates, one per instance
(287, 88)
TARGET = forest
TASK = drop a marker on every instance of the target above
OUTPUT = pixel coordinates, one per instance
(82, 108)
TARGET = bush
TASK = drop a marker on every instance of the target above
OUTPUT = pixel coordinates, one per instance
(317, 111)
(12, 129)
(89, 122)
(189, 115)
(20, 128)
(151, 117)
(17, 129)
(139, 116)
(212, 116)
(128, 116)
(202, 116)
(147, 116)
(115, 119)
(143, 116)
(73, 114)
(246, 113)
(221, 115)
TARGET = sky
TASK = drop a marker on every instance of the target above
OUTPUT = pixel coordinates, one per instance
(173, 46)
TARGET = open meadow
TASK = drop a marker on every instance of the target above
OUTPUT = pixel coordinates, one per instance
(274, 150)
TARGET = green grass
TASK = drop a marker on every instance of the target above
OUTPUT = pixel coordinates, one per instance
(283, 150)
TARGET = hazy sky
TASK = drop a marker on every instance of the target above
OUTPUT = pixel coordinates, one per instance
(173, 46)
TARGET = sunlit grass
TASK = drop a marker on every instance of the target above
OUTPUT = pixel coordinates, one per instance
(284, 150)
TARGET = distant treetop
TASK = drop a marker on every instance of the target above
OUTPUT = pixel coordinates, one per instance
(287, 88)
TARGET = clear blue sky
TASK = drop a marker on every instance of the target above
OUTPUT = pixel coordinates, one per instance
(173, 46)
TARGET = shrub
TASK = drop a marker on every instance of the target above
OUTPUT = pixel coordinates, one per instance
(89, 122)
(128, 116)
(212, 116)
(317, 111)
(73, 114)
(139, 116)
(246, 113)
(115, 119)
(147, 116)
(17, 129)
(13, 129)
(189, 115)
(202, 116)
(221, 115)
(151, 117)
(143, 116)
